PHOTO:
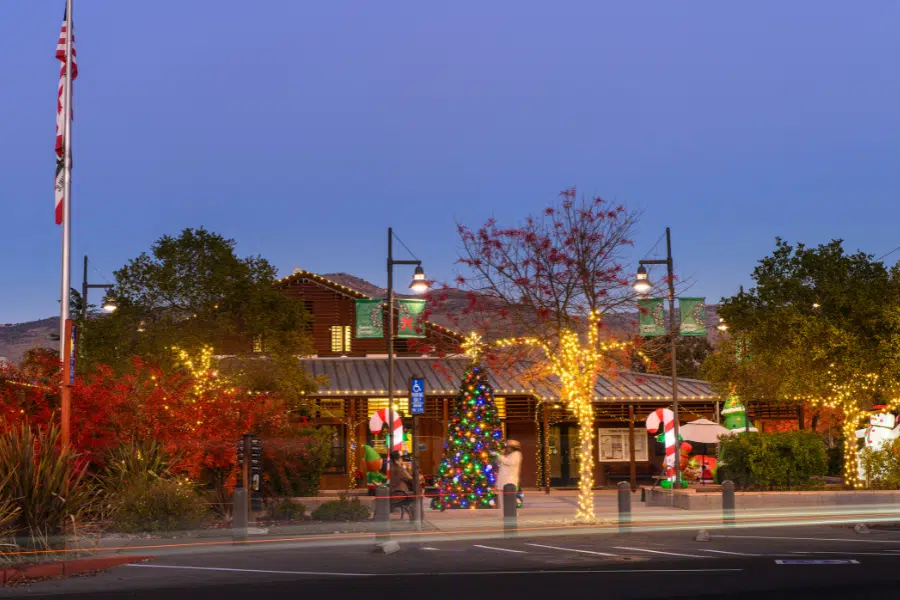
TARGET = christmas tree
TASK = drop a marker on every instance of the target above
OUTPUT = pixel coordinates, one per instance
(468, 472)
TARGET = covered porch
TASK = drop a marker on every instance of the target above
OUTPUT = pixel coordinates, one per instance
(531, 413)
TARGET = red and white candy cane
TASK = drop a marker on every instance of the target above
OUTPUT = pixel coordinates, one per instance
(376, 424)
(667, 418)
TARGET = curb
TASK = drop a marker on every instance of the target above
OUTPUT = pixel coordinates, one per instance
(66, 567)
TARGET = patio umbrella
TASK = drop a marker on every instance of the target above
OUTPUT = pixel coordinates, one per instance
(703, 431)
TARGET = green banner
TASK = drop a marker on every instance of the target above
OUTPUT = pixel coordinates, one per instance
(369, 319)
(693, 316)
(651, 319)
(410, 323)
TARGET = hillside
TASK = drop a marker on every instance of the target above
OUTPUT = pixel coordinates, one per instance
(16, 339)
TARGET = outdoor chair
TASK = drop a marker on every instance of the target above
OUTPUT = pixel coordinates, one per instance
(404, 503)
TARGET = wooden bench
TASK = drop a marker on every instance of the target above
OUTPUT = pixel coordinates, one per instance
(622, 472)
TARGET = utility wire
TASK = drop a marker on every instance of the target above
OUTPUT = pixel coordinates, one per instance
(405, 246)
(652, 248)
(888, 254)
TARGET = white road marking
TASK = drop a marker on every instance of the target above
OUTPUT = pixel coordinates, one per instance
(657, 552)
(499, 549)
(848, 552)
(817, 562)
(148, 566)
(768, 537)
(446, 573)
(572, 550)
(723, 552)
(428, 548)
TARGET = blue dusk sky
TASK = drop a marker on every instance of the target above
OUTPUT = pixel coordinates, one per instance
(303, 129)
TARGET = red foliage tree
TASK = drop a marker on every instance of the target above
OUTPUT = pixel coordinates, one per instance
(547, 285)
(195, 418)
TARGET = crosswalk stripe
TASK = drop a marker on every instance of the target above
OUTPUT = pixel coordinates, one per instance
(572, 550)
(723, 552)
(657, 552)
(499, 549)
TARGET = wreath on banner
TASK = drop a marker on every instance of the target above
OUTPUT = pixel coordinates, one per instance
(376, 316)
(659, 319)
(699, 315)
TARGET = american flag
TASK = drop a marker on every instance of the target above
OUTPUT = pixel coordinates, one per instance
(61, 115)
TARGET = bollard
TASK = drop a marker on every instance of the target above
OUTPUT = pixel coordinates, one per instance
(510, 508)
(239, 514)
(624, 492)
(382, 513)
(728, 503)
(418, 512)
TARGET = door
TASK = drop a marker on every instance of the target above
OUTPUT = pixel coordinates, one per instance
(564, 457)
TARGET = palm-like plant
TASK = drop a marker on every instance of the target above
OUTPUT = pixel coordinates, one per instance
(45, 488)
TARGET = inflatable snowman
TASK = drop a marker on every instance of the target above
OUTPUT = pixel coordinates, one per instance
(882, 430)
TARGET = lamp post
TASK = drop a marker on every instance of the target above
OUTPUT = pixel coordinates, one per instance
(643, 286)
(419, 285)
(109, 302)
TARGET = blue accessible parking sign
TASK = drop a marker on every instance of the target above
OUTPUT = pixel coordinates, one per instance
(417, 396)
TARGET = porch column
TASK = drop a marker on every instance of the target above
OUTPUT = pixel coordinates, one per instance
(352, 456)
(631, 455)
(801, 416)
(545, 445)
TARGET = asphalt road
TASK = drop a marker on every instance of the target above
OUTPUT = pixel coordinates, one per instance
(789, 562)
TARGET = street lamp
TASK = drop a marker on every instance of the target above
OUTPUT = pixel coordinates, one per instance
(109, 301)
(642, 286)
(419, 285)
(722, 326)
(642, 281)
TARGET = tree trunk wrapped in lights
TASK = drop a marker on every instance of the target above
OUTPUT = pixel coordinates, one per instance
(545, 286)
(577, 364)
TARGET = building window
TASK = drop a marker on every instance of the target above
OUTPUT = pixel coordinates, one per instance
(401, 406)
(338, 448)
(613, 445)
(500, 403)
(330, 408)
(340, 338)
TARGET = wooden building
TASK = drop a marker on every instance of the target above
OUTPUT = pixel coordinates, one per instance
(356, 372)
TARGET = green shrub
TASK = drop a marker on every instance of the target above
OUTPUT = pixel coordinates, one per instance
(287, 511)
(45, 487)
(162, 505)
(341, 510)
(783, 460)
(129, 466)
(293, 467)
(883, 466)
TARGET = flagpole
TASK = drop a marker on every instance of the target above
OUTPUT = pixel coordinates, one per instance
(65, 390)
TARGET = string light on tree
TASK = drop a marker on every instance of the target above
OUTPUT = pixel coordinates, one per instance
(577, 363)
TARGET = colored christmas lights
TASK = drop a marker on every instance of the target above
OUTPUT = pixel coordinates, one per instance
(468, 473)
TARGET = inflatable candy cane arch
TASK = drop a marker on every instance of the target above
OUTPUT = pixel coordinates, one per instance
(376, 423)
(667, 418)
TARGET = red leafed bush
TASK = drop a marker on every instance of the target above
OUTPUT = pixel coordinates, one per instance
(196, 421)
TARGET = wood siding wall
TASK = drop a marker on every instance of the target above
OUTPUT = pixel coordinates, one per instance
(330, 308)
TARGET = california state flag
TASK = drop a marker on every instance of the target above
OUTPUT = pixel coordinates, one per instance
(62, 113)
